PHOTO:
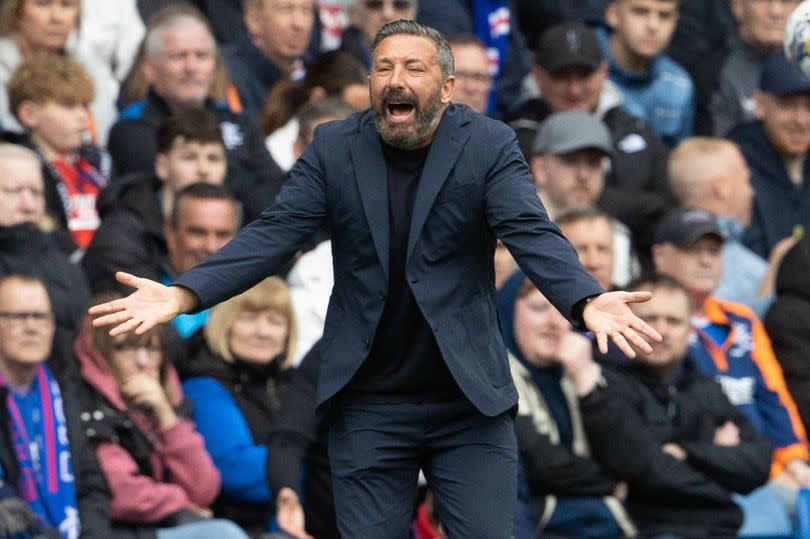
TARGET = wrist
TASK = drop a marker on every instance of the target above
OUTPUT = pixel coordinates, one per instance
(186, 300)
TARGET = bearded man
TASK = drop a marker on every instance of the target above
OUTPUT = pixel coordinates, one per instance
(414, 371)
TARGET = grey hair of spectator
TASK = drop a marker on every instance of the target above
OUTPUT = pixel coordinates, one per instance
(325, 107)
(153, 42)
(466, 38)
(413, 28)
(15, 151)
(207, 191)
(577, 215)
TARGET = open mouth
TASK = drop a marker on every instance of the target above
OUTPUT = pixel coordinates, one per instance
(400, 111)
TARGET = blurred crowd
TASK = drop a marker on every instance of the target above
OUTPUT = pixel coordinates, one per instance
(667, 139)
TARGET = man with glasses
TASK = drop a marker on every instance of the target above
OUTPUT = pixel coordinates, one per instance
(473, 76)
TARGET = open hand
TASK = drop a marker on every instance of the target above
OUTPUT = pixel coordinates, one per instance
(609, 316)
(290, 514)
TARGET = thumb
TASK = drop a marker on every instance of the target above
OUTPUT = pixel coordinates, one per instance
(128, 279)
(639, 296)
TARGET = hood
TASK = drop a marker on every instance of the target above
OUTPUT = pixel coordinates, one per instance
(92, 371)
(794, 272)
(505, 303)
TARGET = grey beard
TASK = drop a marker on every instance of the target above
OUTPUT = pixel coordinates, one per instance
(426, 120)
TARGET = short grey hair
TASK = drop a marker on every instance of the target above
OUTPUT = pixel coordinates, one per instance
(15, 151)
(153, 43)
(413, 28)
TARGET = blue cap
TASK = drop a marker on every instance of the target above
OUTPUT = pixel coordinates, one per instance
(780, 77)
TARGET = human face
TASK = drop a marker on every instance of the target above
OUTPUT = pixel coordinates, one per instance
(189, 161)
(203, 227)
(761, 23)
(473, 80)
(642, 28)
(258, 336)
(739, 193)
(571, 88)
(137, 356)
(786, 120)
(22, 196)
(26, 325)
(698, 266)
(58, 129)
(538, 328)
(282, 29)
(408, 92)
(668, 313)
(45, 25)
(371, 15)
(182, 71)
(570, 181)
(593, 241)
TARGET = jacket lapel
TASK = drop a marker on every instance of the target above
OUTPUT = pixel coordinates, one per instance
(444, 151)
(372, 180)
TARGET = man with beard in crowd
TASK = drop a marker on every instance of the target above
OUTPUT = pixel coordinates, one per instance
(415, 192)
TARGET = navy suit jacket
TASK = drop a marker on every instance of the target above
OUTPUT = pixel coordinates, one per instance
(475, 186)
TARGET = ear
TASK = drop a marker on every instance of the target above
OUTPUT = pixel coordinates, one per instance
(759, 104)
(719, 188)
(27, 113)
(162, 166)
(539, 172)
(252, 20)
(148, 70)
(447, 89)
(737, 10)
(612, 17)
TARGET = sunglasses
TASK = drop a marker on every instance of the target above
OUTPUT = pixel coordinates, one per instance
(398, 5)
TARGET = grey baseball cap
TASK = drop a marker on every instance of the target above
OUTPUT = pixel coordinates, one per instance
(569, 131)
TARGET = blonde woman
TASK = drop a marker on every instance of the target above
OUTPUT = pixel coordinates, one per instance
(234, 382)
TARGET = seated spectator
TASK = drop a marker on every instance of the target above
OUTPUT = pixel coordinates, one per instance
(590, 231)
(28, 27)
(570, 157)
(133, 211)
(44, 453)
(185, 37)
(668, 431)
(574, 79)
(711, 174)
(234, 382)
(654, 87)
(161, 478)
(732, 346)
(775, 148)
(566, 490)
(49, 95)
(270, 50)
(472, 71)
(26, 247)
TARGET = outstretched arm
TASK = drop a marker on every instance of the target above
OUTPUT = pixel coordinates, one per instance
(608, 315)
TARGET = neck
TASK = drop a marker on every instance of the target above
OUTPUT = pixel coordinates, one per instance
(27, 48)
(50, 152)
(626, 58)
(18, 375)
(664, 373)
(166, 200)
(699, 300)
(283, 63)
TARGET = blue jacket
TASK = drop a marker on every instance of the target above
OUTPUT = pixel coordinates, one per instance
(664, 96)
(475, 186)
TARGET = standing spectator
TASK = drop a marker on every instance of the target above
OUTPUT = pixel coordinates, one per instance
(235, 381)
(473, 77)
(50, 95)
(112, 33)
(654, 87)
(775, 148)
(271, 49)
(44, 26)
(179, 64)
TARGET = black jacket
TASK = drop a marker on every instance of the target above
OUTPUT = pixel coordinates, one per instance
(26, 249)
(788, 324)
(92, 493)
(629, 419)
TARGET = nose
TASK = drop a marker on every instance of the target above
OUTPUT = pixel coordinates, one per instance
(396, 80)
(212, 244)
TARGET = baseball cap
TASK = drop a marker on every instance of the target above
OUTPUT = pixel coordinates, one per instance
(569, 131)
(568, 44)
(780, 77)
(687, 225)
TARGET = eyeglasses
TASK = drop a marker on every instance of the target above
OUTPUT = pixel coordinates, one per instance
(398, 5)
(18, 318)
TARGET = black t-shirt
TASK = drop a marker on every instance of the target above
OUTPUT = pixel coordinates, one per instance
(404, 364)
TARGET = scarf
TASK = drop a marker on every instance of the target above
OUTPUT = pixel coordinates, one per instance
(39, 436)
(492, 24)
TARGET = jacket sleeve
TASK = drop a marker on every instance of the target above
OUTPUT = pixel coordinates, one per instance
(623, 445)
(240, 460)
(740, 468)
(554, 468)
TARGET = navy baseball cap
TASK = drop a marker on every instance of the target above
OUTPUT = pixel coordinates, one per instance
(569, 44)
(687, 225)
(780, 77)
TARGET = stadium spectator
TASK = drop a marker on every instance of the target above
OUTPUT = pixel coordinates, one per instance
(180, 63)
(654, 87)
(49, 95)
(270, 50)
(669, 431)
(731, 345)
(26, 247)
(536, 16)
(367, 17)
(160, 476)
(44, 453)
(235, 381)
(566, 490)
(775, 148)
(711, 174)
(590, 231)
(473, 77)
(570, 157)
(44, 26)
